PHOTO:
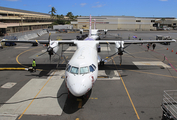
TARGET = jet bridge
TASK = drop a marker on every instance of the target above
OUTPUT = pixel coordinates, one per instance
(169, 105)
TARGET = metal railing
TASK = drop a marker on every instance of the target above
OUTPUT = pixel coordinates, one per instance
(169, 103)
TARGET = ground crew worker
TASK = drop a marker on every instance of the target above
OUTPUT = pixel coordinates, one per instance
(148, 45)
(153, 46)
(34, 65)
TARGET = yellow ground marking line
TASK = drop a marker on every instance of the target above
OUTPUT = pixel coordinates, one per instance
(80, 103)
(36, 96)
(21, 54)
(127, 92)
(94, 98)
(13, 69)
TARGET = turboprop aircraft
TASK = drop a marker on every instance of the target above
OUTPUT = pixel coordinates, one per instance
(82, 69)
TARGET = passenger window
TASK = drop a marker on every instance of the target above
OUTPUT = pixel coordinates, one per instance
(68, 68)
(91, 68)
(84, 70)
(74, 70)
(94, 66)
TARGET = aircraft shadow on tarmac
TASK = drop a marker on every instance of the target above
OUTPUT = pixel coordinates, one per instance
(46, 68)
(129, 67)
(72, 103)
(43, 68)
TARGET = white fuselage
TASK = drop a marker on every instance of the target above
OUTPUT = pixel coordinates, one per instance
(82, 70)
(94, 34)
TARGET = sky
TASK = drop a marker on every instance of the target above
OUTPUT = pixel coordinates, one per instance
(137, 8)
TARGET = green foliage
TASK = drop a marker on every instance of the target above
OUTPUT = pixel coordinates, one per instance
(53, 10)
(60, 18)
(70, 15)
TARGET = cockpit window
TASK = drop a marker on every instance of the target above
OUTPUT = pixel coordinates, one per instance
(84, 70)
(74, 70)
(94, 66)
(91, 68)
(68, 68)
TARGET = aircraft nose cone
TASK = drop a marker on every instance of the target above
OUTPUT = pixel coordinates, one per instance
(78, 90)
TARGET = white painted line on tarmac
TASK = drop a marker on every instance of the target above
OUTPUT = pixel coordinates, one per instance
(8, 85)
(153, 63)
(46, 102)
(105, 49)
(8, 116)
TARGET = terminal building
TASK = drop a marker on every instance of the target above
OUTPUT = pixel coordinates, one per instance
(15, 20)
(124, 23)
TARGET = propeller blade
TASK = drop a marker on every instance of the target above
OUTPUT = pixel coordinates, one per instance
(111, 55)
(49, 39)
(129, 53)
(41, 54)
(120, 59)
(56, 53)
(127, 46)
(50, 58)
(37, 42)
(49, 36)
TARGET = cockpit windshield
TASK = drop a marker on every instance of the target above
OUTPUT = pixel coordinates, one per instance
(84, 70)
(91, 68)
(68, 68)
(74, 70)
(80, 70)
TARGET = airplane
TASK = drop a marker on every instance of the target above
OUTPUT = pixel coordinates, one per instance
(82, 70)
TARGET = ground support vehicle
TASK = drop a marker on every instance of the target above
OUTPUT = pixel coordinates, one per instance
(160, 37)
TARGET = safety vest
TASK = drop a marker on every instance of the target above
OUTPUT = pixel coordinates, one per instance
(34, 64)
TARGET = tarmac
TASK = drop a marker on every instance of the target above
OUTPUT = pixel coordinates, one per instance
(132, 90)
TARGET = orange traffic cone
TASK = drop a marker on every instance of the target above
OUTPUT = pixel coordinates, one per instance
(172, 50)
(167, 48)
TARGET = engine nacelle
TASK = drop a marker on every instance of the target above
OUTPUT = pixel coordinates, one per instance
(54, 46)
(119, 44)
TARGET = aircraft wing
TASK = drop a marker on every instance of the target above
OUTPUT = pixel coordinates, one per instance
(26, 41)
(100, 41)
(135, 41)
(40, 41)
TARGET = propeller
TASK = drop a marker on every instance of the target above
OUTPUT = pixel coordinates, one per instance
(120, 50)
(49, 49)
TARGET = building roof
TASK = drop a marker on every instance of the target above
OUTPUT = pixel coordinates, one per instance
(105, 17)
(21, 11)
